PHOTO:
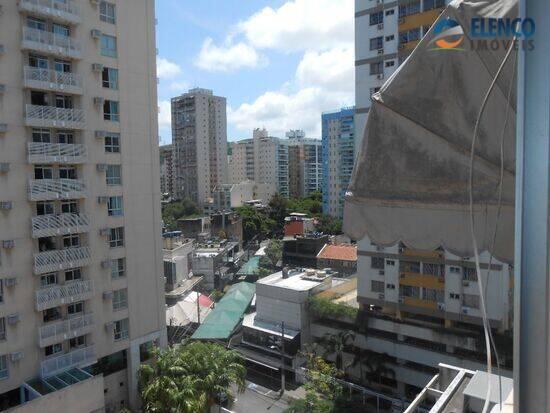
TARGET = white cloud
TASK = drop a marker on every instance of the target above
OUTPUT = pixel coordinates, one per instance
(167, 69)
(229, 57)
(179, 87)
(333, 69)
(165, 114)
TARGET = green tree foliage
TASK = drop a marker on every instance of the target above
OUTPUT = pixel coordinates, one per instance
(274, 252)
(178, 209)
(336, 344)
(255, 223)
(325, 308)
(187, 378)
(329, 225)
(278, 211)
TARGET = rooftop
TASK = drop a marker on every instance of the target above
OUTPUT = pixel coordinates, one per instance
(297, 280)
(343, 252)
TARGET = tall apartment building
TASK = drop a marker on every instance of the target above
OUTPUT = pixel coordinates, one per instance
(167, 171)
(338, 158)
(271, 161)
(81, 291)
(385, 34)
(241, 166)
(305, 164)
(199, 136)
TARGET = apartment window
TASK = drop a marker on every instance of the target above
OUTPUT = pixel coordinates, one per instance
(39, 62)
(376, 68)
(112, 143)
(108, 46)
(377, 286)
(390, 38)
(4, 367)
(3, 328)
(63, 102)
(41, 135)
(43, 172)
(67, 172)
(433, 269)
(390, 63)
(110, 78)
(75, 308)
(409, 291)
(431, 294)
(113, 175)
(376, 18)
(454, 270)
(71, 241)
(120, 299)
(116, 237)
(433, 4)
(118, 268)
(53, 349)
(107, 12)
(170, 272)
(412, 7)
(48, 280)
(390, 262)
(110, 111)
(377, 263)
(77, 342)
(51, 314)
(61, 30)
(69, 207)
(377, 43)
(65, 137)
(390, 12)
(37, 24)
(45, 208)
(469, 274)
(470, 300)
(409, 35)
(454, 296)
(121, 329)
(73, 275)
(62, 66)
(114, 206)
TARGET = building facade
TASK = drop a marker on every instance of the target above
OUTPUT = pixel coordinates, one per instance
(241, 166)
(271, 161)
(199, 136)
(338, 158)
(80, 250)
(167, 171)
(305, 164)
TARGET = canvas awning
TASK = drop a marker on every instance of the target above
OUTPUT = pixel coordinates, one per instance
(410, 181)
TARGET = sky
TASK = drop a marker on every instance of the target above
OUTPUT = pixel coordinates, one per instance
(280, 64)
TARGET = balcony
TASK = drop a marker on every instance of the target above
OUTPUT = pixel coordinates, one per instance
(62, 224)
(57, 260)
(52, 189)
(43, 153)
(64, 294)
(50, 43)
(52, 80)
(65, 11)
(65, 329)
(52, 117)
(77, 358)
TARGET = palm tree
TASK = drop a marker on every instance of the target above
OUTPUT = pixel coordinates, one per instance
(336, 344)
(376, 367)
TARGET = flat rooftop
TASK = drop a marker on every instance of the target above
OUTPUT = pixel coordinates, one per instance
(297, 280)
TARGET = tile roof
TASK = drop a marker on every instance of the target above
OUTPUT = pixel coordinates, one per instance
(344, 252)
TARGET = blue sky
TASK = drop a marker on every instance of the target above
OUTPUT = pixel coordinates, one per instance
(279, 63)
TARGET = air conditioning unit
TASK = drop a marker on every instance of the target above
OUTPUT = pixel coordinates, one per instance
(102, 199)
(381, 296)
(107, 295)
(3, 127)
(104, 232)
(4, 167)
(380, 51)
(97, 67)
(106, 264)
(8, 244)
(98, 101)
(96, 33)
(2, 88)
(5, 205)
(101, 167)
(13, 318)
(109, 326)
(100, 134)
(465, 283)
(15, 357)
(381, 272)
(380, 26)
(380, 76)
(441, 306)
(10, 282)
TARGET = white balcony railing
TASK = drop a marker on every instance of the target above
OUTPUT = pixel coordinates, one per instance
(64, 294)
(65, 329)
(47, 79)
(48, 42)
(56, 153)
(52, 189)
(57, 260)
(52, 117)
(77, 358)
(64, 10)
(62, 224)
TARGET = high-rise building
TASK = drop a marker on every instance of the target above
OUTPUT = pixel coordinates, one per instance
(81, 291)
(338, 158)
(241, 166)
(271, 161)
(385, 34)
(305, 164)
(167, 171)
(199, 136)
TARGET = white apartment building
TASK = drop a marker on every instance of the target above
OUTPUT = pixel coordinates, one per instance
(271, 161)
(241, 163)
(167, 171)
(177, 255)
(199, 136)
(80, 249)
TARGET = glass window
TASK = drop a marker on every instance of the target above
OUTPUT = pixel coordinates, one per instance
(39, 62)
(409, 291)
(75, 308)
(63, 102)
(53, 349)
(110, 78)
(107, 12)
(376, 68)
(67, 172)
(71, 241)
(116, 237)
(114, 206)
(112, 143)
(376, 18)
(376, 43)
(48, 280)
(37, 24)
(4, 367)
(61, 30)
(45, 208)
(111, 111)
(77, 342)
(121, 329)
(118, 268)
(43, 172)
(41, 135)
(51, 314)
(470, 300)
(469, 274)
(377, 286)
(120, 299)
(108, 46)
(65, 137)
(73, 275)
(377, 263)
(113, 175)
(3, 328)
(62, 66)
(69, 207)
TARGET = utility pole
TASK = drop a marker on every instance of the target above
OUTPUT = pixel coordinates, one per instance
(198, 309)
(282, 357)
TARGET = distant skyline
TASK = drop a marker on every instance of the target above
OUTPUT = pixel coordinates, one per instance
(280, 64)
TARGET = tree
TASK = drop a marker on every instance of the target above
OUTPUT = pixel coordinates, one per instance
(278, 212)
(256, 224)
(274, 252)
(376, 367)
(336, 344)
(187, 378)
(178, 209)
(329, 225)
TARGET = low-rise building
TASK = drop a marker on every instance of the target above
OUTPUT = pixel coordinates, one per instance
(177, 253)
(302, 250)
(298, 224)
(216, 261)
(341, 258)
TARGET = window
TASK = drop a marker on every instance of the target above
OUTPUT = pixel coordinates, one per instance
(114, 206)
(53, 349)
(3, 328)
(36, 23)
(377, 43)
(116, 237)
(121, 329)
(107, 12)
(71, 241)
(377, 263)
(41, 135)
(118, 268)
(454, 296)
(120, 299)
(433, 269)
(390, 262)
(73, 275)
(62, 66)
(110, 78)
(390, 38)
(170, 272)
(376, 68)
(4, 367)
(377, 286)
(75, 308)
(433, 4)
(60, 30)
(470, 300)
(409, 291)
(63, 102)
(77, 342)
(390, 12)
(110, 111)
(409, 36)
(376, 18)
(48, 280)
(65, 137)
(431, 294)
(51, 314)
(43, 172)
(108, 46)
(469, 274)
(67, 172)
(390, 63)
(1, 291)
(69, 207)
(454, 270)
(113, 175)
(44, 208)
(40, 62)
(112, 143)
(412, 7)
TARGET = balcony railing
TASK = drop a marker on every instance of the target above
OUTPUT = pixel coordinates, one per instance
(52, 189)
(62, 224)
(48, 42)
(65, 329)
(56, 153)
(57, 260)
(64, 294)
(47, 79)
(52, 117)
(63, 10)
(77, 358)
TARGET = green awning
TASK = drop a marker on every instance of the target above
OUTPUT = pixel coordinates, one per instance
(252, 267)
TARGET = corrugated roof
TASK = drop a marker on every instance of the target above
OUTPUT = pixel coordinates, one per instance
(344, 252)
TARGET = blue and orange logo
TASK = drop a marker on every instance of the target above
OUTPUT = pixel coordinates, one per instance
(448, 35)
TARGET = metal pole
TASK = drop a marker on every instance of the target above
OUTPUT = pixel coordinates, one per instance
(532, 295)
(282, 358)
(198, 309)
